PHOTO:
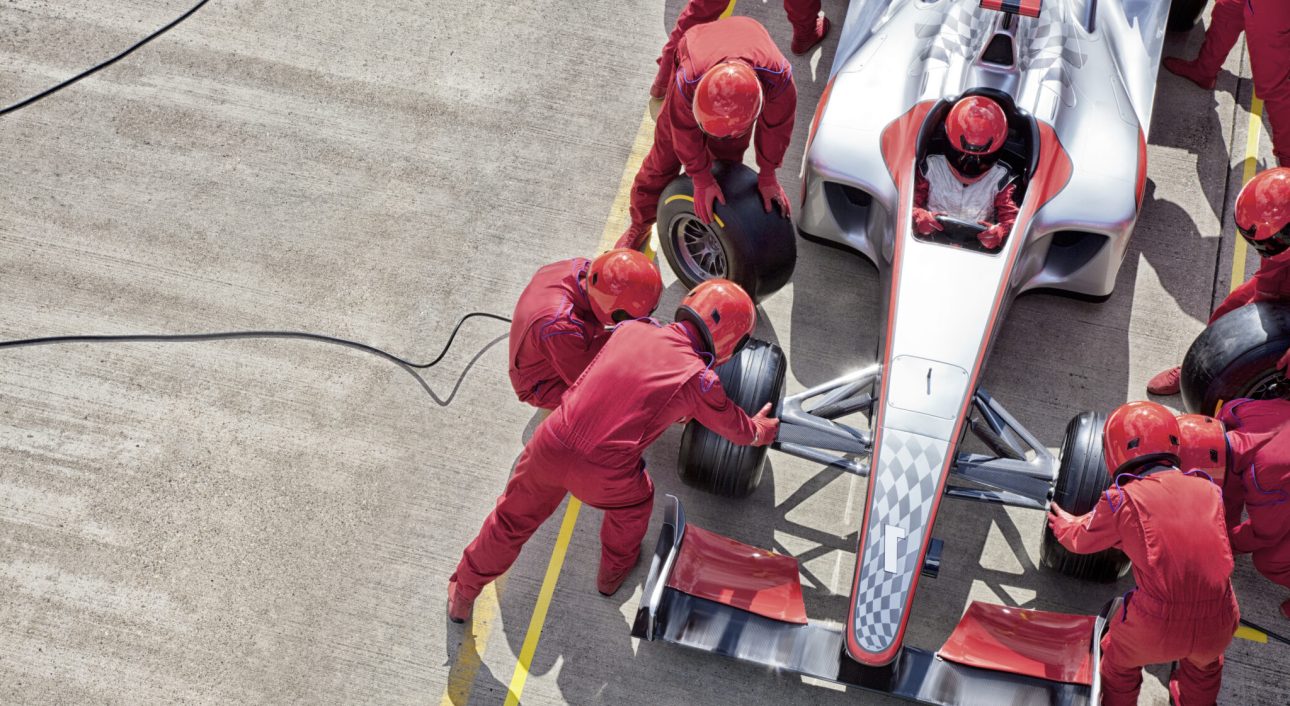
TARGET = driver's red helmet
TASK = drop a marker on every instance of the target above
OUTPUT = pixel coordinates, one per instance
(1263, 211)
(728, 99)
(724, 314)
(1138, 434)
(623, 284)
(976, 125)
(1204, 445)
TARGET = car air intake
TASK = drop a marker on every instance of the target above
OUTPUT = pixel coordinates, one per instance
(999, 51)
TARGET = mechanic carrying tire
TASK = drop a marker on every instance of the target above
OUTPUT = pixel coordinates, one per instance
(809, 29)
(564, 316)
(1263, 219)
(646, 378)
(1183, 608)
(730, 79)
(1247, 449)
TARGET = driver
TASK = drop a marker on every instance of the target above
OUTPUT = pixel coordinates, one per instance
(969, 183)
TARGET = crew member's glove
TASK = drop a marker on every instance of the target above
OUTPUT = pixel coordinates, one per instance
(706, 192)
(1058, 518)
(925, 221)
(767, 427)
(993, 235)
(772, 193)
(1284, 364)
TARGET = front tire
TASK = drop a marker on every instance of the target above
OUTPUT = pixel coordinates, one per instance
(1236, 357)
(708, 461)
(743, 243)
(1081, 479)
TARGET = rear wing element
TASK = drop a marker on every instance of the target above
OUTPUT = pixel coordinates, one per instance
(1025, 8)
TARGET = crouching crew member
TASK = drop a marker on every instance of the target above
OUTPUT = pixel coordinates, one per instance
(1258, 437)
(729, 78)
(1263, 219)
(646, 378)
(809, 29)
(1170, 524)
(565, 314)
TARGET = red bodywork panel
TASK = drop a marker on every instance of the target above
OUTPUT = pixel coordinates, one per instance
(1033, 643)
(1027, 8)
(741, 576)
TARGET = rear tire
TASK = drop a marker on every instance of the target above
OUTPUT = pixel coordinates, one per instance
(1236, 357)
(1183, 14)
(708, 461)
(1081, 478)
(753, 248)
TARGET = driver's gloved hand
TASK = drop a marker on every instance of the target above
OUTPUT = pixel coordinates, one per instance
(993, 236)
(925, 221)
(706, 193)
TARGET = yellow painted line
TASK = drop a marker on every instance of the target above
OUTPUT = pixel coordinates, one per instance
(683, 197)
(470, 656)
(614, 226)
(529, 648)
(1252, 135)
(1248, 633)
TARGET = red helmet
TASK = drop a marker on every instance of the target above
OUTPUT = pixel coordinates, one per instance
(1139, 433)
(728, 99)
(1204, 445)
(724, 314)
(623, 284)
(976, 125)
(1263, 211)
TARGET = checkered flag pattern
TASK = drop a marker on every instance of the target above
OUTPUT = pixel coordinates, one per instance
(907, 472)
(959, 32)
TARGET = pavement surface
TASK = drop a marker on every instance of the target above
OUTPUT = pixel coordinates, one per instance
(273, 521)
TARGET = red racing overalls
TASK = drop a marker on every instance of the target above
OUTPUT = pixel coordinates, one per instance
(678, 141)
(1258, 438)
(554, 334)
(1270, 283)
(1183, 609)
(1266, 24)
(646, 378)
(801, 14)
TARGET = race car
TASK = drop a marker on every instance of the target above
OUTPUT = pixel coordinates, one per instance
(1076, 80)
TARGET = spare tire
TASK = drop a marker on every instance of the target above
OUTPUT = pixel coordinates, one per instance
(708, 461)
(1081, 478)
(743, 243)
(1236, 357)
(1183, 14)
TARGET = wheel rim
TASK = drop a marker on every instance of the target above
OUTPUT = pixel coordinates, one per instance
(1268, 387)
(698, 247)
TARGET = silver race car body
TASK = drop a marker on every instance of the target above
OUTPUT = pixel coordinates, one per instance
(1077, 82)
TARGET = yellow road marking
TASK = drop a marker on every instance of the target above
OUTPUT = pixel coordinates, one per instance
(534, 633)
(470, 657)
(614, 226)
(1251, 164)
(1248, 633)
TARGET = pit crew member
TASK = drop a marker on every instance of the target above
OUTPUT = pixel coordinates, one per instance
(1170, 524)
(730, 77)
(1263, 219)
(565, 314)
(647, 377)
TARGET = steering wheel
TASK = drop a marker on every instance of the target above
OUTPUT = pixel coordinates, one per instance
(960, 230)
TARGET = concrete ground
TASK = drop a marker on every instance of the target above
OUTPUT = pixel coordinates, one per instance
(273, 521)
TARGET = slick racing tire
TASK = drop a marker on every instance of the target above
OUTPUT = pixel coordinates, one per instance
(708, 461)
(1183, 14)
(1081, 478)
(1237, 357)
(743, 243)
